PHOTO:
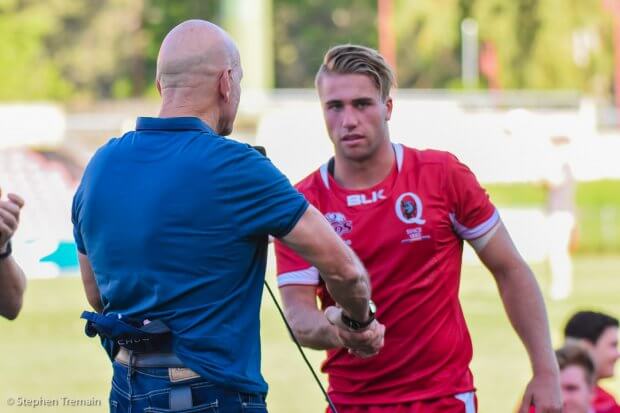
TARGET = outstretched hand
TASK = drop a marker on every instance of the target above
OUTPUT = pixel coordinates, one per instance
(364, 343)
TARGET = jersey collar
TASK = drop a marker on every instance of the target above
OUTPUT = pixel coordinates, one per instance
(398, 151)
(177, 123)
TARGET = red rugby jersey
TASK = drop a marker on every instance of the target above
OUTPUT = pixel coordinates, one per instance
(604, 402)
(408, 231)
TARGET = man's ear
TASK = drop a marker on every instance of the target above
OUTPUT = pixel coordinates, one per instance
(388, 108)
(158, 86)
(225, 84)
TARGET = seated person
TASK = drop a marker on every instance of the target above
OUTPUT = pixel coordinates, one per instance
(598, 333)
(577, 379)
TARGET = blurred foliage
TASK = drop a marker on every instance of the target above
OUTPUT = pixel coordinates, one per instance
(546, 44)
(58, 49)
(304, 31)
(78, 49)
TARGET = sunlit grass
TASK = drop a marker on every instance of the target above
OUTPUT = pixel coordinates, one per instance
(45, 353)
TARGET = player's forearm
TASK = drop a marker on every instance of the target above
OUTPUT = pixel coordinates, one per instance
(12, 286)
(312, 330)
(525, 307)
(344, 275)
(349, 285)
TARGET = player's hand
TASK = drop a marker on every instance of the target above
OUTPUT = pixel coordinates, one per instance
(364, 343)
(9, 218)
(543, 392)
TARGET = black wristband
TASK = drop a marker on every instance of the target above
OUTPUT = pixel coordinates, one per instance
(8, 251)
(360, 325)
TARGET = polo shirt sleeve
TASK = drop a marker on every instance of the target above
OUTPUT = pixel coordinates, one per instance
(262, 199)
(75, 219)
(291, 269)
(471, 212)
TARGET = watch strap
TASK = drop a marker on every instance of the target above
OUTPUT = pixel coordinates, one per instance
(359, 325)
(8, 252)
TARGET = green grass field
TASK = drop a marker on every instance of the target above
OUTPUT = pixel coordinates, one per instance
(598, 210)
(44, 354)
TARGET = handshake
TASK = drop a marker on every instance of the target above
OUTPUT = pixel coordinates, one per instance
(364, 343)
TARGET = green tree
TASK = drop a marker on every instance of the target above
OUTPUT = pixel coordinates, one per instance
(304, 31)
(27, 68)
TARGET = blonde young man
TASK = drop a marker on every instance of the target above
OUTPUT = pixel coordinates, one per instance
(406, 213)
(577, 379)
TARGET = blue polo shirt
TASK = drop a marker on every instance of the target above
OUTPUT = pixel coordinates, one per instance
(175, 220)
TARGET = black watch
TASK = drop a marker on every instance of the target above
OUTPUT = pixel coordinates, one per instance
(360, 325)
(8, 251)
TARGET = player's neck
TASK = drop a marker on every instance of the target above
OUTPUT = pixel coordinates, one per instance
(352, 174)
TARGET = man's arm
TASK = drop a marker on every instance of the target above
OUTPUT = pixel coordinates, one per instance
(344, 275)
(12, 287)
(313, 329)
(12, 279)
(525, 307)
(90, 285)
(309, 324)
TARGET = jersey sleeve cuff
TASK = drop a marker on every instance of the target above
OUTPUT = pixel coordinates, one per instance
(477, 231)
(308, 276)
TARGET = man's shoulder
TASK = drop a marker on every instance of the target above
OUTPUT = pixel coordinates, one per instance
(104, 150)
(429, 156)
(311, 185)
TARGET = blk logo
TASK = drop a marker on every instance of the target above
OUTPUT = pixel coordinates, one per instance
(361, 199)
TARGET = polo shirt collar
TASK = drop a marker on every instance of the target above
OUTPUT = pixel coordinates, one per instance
(178, 123)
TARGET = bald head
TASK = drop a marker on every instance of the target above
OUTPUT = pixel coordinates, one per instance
(198, 74)
(194, 49)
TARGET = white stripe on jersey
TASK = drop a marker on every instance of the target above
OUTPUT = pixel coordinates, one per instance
(325, 174)
(468, 400)
(476, 232)
(309, 276)
(399, 152)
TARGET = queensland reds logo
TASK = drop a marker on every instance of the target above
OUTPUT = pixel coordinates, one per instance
(409, 209)
(339, 222)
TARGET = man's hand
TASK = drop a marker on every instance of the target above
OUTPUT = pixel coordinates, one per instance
(365, 343)
(543, 392)
(9, 218)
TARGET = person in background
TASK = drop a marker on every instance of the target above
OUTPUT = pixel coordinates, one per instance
(577, 379)
(12, 279)
(598, 333)
(560, 183)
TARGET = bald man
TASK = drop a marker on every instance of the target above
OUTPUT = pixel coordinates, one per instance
(172, 222)
(12, 279)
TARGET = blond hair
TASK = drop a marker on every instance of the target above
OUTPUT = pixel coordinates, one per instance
(354, 59)
(576, 355)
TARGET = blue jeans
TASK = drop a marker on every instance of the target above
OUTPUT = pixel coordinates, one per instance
(147, 390)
